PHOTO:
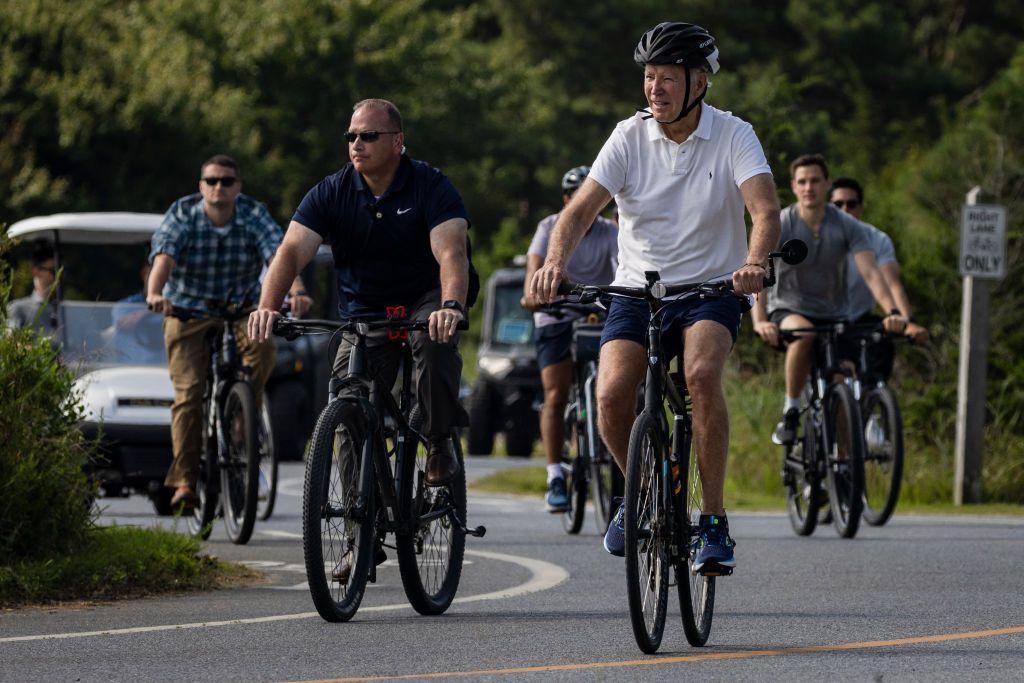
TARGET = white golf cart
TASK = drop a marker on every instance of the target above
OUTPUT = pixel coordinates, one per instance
(116, 347)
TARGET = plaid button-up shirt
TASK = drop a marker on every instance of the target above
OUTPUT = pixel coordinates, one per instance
(209, 265)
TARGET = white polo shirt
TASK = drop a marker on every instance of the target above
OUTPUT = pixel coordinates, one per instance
(680, 207)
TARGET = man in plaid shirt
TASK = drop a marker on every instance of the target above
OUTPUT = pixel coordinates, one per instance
(211, 247)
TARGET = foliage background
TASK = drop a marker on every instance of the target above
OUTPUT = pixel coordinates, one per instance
(112, 105)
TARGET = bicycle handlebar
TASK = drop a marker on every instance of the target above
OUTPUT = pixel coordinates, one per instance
(291, 329)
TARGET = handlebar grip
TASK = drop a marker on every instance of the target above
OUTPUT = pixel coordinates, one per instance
(566, 287)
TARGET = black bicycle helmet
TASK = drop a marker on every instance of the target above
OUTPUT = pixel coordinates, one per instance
(676, 42)
(573, 178)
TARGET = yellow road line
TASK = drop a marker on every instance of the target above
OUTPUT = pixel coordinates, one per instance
(709, 657)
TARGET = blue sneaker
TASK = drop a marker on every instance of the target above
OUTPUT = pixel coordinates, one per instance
(615, 536)
(558, 497)
(713, 554)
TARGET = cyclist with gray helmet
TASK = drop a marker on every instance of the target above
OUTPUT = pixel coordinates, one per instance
(681, 173)
(593, 263)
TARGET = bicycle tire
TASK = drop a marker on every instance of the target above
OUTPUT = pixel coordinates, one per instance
(883, 458)
(844, 460)
(239, 474)
(423, 550)
(338, 440)
(575, 471)
(696, 591)
(646, 548)
(268, 466)
(608, 483)
(803, 487)
(200, 521)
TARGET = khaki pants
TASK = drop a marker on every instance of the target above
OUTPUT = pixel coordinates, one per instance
(188, 360)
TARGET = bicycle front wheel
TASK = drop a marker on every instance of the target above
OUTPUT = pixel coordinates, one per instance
(575, 469)
(338, 511)
(696, 591)
(883, 454)
(844, 462)
(239, 470)
(646, 533)
(267, 490)
(430, 553)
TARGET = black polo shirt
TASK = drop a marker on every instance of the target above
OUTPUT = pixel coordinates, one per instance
(381, 245)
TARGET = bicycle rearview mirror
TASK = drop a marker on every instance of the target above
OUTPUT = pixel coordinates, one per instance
(793, 251)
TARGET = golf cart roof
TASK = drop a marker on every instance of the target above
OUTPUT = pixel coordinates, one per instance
(120, 227)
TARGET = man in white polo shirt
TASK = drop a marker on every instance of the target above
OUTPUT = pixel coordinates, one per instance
(681, 174)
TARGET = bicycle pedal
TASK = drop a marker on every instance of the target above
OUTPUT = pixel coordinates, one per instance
(713, 569)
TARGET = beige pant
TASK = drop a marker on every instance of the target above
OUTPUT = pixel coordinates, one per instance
(188, 359)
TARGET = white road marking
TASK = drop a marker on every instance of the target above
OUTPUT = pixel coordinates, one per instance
(543, 576)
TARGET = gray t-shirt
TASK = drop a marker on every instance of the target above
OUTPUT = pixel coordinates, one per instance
(861, 300)
(22, 313)
(592, 263)
(817, 287)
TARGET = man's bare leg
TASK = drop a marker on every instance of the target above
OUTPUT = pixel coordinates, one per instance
(706, 346)
(798, 355)
(556, 379)
(620, 371)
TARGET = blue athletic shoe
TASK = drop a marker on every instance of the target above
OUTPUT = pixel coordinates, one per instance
(615, 536)
(714, 556)
(558, 497)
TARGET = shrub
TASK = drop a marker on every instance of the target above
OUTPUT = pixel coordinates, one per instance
(45, 495)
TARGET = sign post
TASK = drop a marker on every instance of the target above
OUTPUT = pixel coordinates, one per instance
(982, 258)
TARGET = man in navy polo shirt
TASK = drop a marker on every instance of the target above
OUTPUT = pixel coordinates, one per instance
(398, 231)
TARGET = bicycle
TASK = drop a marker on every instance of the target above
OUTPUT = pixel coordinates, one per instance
(229, 461)
(663, 489)
(365, 479)
(588, 466)
(883, 427)
(829, 445)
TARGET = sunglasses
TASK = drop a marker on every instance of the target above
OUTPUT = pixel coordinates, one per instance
(369, 135)
(226, 181)
(849, 203)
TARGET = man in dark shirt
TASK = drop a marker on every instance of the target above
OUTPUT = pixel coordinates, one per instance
(398, 231)
(26, 312)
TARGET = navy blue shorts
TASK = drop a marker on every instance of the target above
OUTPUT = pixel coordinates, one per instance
(628, 319)
(554, 343)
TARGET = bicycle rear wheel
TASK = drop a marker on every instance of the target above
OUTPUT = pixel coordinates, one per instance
(844, 459)
(338, 511)
(696, 591)
(200, 521)
(267, 490)
(646, 533)
(575, 469)
(883, 454)
(607, 483)
(239, 472)
(430, 554)
(803, 484)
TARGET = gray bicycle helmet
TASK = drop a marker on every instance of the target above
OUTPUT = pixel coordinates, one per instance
(573, 178)
(676, 42)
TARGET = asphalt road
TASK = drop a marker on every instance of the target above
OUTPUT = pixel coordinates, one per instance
(923, 598)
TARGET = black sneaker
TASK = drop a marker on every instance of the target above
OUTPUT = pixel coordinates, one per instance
(785, 431)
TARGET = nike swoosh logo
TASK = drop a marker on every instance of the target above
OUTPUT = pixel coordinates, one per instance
(401, 211)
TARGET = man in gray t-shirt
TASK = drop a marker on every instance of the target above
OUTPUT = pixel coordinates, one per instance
(848, 195)
(593, 263)
(815, 290)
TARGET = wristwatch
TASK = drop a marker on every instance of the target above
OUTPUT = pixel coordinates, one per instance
(454, 304)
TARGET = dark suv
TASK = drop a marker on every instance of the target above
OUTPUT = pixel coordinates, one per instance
(507, 388)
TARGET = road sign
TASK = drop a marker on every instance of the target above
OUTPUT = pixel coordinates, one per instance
(983, 241)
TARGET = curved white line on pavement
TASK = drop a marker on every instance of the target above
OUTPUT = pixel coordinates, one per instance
(543, 576)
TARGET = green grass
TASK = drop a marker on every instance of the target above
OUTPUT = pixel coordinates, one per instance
(528, 481)
(118, 562)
